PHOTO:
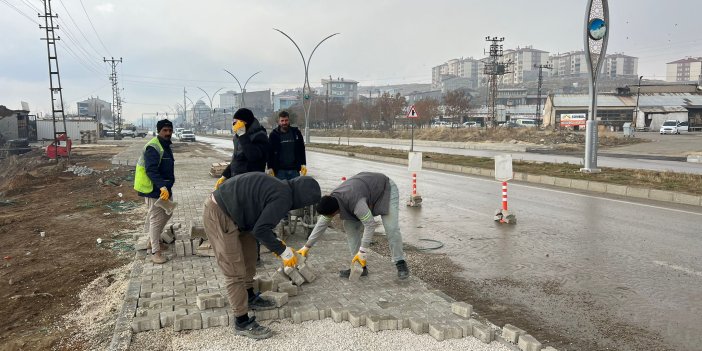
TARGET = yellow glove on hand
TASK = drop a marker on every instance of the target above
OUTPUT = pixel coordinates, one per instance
(164, 194)
(303, 170)
(303, 251)
(288, 257)
(271, 172)
(219, 182)
(360, 257)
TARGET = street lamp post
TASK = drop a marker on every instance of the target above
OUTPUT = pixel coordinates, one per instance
(211, 106)
(306, 90)
(636, 111)
(243, 89)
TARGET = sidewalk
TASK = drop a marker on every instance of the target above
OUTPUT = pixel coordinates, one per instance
(164, 298)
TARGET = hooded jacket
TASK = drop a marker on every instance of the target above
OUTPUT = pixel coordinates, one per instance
(257, 202)
(250, 151)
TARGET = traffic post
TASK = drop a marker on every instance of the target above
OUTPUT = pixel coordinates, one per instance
(503, 173)
(412, 114)
(414, 165)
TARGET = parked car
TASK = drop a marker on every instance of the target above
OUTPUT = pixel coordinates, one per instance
(683, 127)
(177, 132)
(128, 133)
(529, 123)
(108, 133)
(470, 124)
(187, 135)
(670, 127)
(441, 124)
(510, 124)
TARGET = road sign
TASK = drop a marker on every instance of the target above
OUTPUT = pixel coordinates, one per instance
(412, 113)
(503, 167)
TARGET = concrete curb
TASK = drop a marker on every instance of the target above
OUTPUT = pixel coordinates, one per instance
(122, 337)
(469, 145)
(579, 184)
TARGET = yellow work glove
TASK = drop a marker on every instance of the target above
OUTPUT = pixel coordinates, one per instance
(271, 172)
(164, 194)
(219, 182)
(239, 127)
(303, 170)
(288, 257)
(303, 251)
(360, 257)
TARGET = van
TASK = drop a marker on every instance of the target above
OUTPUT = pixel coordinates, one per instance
(529, 123)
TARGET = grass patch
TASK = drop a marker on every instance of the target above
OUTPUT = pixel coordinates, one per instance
(679, 182)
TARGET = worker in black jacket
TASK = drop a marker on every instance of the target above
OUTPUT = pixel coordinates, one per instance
(251, 146)
(244, 209)
(287, 158)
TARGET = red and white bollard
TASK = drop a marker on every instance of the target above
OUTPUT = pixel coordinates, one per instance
(503, 215)
(343, 179)
(415, 200)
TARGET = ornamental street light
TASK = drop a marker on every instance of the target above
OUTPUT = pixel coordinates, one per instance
(243, 89)
(306, 90)
(210, 98)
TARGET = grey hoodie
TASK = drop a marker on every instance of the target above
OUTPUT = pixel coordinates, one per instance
(257, 202)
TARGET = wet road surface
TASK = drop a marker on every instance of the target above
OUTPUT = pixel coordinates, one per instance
(579, 264)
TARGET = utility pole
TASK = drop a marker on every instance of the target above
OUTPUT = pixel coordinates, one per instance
(494, 69)
(538, 94)
(327, 100)
(54, 75)
(116, 101)
(185, 110)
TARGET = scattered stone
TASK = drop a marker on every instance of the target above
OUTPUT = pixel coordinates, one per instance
(307, 272)
(295, 275)
(528, 343)
(141, 244)
(288, 288)
(167, 236)
(483, 333)
(264, 284)
(512, 333)
(356, 271)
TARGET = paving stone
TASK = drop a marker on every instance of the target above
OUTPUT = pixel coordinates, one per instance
(167, 236)
(466, 327)
(179, 248)
(265, 284)
(483, 333)
(295, 275)
(144, 312)
(140, 324)
(356, 271)
(305, 313)
(162, 294)
(437, 331)
(339, 314)
(206, 301)
(307, 272)
(194, 245)
(167, 318)
(279, 297)
(512, 333)
(284, 312)
(142, 244)
(267, 314)
(528, 343)
(288, 288)
(462, 309)
(377, 323)
(216, 318)
(188, 247)
(187, 322)
(357, 318)
(453, 331)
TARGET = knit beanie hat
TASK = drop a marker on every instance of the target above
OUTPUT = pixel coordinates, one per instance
(245, 115)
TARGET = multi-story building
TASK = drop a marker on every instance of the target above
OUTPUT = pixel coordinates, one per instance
(574, 64)
(257, 101)
(523, 61)
(228, 100)
(94, 107)
(285, 99)
(468, 68)
(620, 66)
(342, 90)
(569, 64)
(685, 70)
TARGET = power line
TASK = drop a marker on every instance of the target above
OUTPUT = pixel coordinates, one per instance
(91, 24)
(78, 28)
(20, 12)
(32, 7)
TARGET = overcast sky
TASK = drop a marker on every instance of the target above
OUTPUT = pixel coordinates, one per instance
(168, 45)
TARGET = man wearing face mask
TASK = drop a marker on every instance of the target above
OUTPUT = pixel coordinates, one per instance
(251, 146)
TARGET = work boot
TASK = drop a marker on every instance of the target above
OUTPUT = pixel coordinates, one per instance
(252, 329)
(347, 273)
(402, 269)
(158, 258)
(259, 303)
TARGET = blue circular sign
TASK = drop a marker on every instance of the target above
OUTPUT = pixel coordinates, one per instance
(597, 29)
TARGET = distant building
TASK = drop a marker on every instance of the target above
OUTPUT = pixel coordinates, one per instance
(574, 64)
(685, 70)
(412, 98)
(14, 124)
(569, 64)
(620, 66)
(228, 100)
(523, 61)
(285, 99)
(199, 114)
(467, 68)
(257, 101)
(94, 107)
(341, 90)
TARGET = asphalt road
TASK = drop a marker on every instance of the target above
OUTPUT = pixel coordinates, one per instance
(603, 161)
(578, 263)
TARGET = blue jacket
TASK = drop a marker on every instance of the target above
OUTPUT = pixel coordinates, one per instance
(162, 174)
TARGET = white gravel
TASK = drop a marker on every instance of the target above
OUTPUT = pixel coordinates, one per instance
(312, 335)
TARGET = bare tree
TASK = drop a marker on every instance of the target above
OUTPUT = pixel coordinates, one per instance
(457, 105)
(427, 109)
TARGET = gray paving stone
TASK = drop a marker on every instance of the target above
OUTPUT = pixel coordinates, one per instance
(216, 318)
(206, 301)
(307, 272)
(267, 314)
(304, 313)
(512, 333)
(339, 314)
(529, 343)
(294, 275)
(462, 309)
(356, 271)
(140, 324)
(437, 331)
(279, 298)
(357, 318)
(167, 318)
(187, 322)
(483, 332)
(265, 284)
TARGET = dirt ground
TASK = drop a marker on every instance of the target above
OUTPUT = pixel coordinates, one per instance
(50, 221)
(561, 140)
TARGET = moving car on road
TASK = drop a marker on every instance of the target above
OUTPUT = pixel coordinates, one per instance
(670, 127)
(187, 135)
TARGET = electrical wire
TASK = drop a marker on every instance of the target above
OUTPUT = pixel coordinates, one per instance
(94, 30)
(78, 28)
(20, 12)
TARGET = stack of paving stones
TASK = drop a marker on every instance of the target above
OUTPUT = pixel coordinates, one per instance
(188, 292)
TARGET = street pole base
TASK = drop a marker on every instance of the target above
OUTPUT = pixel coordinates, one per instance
(590, 170)
(505, 216)
(415, 201)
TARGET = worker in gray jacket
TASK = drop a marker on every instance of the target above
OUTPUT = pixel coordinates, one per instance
(246, 208)
(357, 201)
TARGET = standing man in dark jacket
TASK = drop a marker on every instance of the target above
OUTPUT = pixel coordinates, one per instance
(287, 159)
(153, 179)
(251, 146)
(246, 208)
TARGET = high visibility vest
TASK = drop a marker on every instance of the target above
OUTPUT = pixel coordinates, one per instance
(142, 182)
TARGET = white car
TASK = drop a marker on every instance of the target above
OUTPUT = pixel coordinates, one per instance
(470, 124)
(187, 135)
(670, 127)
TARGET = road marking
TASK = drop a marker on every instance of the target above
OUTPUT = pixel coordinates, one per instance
(530, 187)
(679, 268)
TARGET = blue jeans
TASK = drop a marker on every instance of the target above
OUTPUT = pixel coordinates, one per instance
(287, 174)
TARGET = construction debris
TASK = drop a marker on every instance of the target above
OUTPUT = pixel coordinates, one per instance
(217, 169)
(81, 171)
